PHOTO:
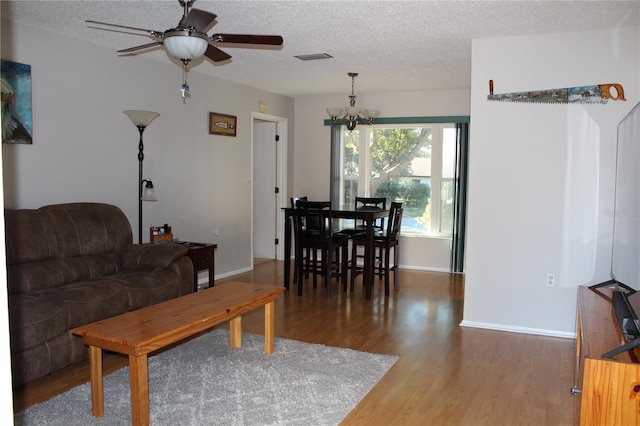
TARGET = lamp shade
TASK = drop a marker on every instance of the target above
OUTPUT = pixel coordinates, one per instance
(182, 44)
(141, 118)
(352, 111)
(149, 192)
(371, 114)
(336, 112)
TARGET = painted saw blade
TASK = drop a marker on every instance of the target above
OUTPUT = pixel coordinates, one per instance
(597, 94)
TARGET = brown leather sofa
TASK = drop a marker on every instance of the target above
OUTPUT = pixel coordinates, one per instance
(73, 264)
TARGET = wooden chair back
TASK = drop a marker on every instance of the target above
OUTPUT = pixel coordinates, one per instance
(395, 221)
(375, 202)
(313, 217)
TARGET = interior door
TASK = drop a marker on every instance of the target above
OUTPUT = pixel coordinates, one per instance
(265, 166)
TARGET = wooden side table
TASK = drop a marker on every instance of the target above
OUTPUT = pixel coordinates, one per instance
(202, 256)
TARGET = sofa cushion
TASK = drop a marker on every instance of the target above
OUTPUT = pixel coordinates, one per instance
(94, 266)
(90, 301)
(150, 256)
(47, 274)
(36, 276)
(34, 320)
(29, 237)
(83, 229)
(52, 355)
(147, 287)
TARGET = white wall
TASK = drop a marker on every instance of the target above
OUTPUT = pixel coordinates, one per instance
(541, 177)
(85, 148)
(312, 151)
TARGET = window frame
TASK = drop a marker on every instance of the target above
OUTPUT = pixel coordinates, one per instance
(440, 123)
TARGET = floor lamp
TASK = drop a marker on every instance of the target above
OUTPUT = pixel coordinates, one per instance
(142, 119)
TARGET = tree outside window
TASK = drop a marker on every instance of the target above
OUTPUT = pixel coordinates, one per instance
(403, 163)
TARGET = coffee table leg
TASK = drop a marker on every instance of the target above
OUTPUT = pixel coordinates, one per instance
(269, 326)
(235, 333)
(139, 381)
(97, 394)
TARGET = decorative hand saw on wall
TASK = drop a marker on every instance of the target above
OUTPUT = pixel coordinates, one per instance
(598, 94)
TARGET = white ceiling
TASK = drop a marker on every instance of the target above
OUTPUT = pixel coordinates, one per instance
(394, 45)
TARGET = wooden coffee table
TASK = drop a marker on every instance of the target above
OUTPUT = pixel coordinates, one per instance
(145, 330)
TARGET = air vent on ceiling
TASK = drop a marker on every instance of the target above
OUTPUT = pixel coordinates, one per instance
(313, 56)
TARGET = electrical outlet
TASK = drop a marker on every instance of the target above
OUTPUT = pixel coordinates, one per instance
(551, 280)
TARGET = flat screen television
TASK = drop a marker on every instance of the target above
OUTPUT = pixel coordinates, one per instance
(625, 259)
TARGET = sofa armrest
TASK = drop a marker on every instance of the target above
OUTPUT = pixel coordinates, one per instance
(149, 256)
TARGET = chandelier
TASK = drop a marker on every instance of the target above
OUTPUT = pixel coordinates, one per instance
(351, 114)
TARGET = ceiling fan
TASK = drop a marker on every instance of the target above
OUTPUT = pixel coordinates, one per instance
(188, 40)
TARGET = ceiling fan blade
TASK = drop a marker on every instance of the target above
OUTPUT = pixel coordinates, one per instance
(152, 32)
(142, 46)
(274, 40)
(215, 54)
(199, 19)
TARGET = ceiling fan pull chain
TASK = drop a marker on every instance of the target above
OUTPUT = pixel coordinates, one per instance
(184, 90)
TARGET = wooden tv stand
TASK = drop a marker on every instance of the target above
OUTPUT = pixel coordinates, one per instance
(608, 388)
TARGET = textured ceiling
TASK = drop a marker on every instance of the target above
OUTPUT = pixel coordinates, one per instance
(394, 45)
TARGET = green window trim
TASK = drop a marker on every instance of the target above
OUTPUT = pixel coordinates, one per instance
(409, 120)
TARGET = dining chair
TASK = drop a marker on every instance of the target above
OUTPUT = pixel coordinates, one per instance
(384, 242)
(314, 233)
(360, 228)
(303, 261)
(294, 200)
(359, 225)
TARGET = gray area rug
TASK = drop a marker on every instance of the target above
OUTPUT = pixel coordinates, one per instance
(204, 382)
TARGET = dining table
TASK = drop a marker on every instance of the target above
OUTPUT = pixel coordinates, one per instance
(367, 215)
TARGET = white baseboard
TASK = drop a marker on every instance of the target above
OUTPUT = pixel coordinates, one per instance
(225, 275)
(249, 268)
(424, 268)
(516, 329)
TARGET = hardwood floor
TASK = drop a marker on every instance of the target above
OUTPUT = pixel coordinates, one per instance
(446, 374)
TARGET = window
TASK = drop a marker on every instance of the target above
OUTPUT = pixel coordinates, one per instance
(414, 164)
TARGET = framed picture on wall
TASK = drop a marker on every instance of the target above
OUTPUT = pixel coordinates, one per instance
(17, 124)
(222, 124)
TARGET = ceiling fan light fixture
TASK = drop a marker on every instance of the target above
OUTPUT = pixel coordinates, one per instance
(186, 44)
(188, 40)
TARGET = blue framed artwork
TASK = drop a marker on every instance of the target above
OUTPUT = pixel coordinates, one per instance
(17, 123)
